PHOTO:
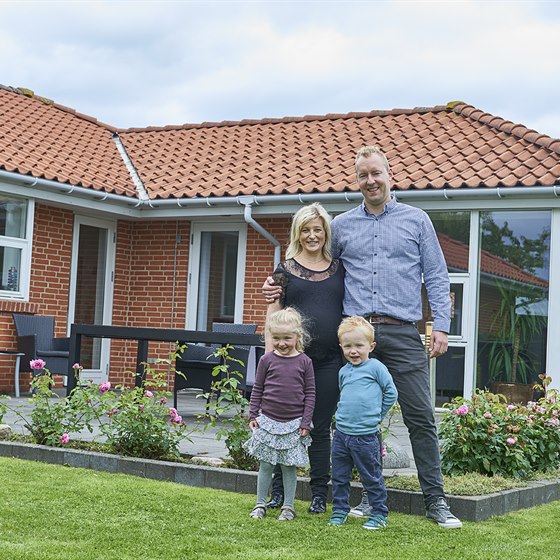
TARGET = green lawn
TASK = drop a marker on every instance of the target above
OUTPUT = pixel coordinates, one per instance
(48, 511)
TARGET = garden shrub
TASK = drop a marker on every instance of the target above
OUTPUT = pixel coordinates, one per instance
(487, 435)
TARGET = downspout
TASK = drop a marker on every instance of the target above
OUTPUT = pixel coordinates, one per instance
(247, 201)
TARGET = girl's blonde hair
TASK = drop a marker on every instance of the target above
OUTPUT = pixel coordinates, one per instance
(302, 217)
(291, 318)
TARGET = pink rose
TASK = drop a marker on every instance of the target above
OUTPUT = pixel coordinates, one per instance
(511, 440)
(383, 450)
(510, 407)
(163, 400)
(149, 394)
(77, 366)
(487, 415)
(37, 364)
(64, 439)
(104, 387)
(177, 419)
(172, 411)
(463, 410)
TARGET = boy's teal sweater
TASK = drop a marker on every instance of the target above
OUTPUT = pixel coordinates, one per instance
(367, 393)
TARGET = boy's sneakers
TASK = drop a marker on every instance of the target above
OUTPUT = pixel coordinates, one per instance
(258, 512)
(375, 521)
(439, 511)
(338, 517)
(362, 509)
(287, 514)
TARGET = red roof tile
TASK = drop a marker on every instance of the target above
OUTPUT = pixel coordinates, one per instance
(452, 146)
(49, 141)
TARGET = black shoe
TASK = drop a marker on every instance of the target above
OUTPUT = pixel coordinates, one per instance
(318, 505)
(276, 500)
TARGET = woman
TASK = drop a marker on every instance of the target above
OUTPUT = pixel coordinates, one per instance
(313, 283)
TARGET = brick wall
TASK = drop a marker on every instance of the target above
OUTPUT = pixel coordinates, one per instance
(150, 282)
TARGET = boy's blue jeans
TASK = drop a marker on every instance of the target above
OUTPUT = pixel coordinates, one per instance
(363, 452)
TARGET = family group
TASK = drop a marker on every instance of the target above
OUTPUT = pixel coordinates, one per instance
(342, 341)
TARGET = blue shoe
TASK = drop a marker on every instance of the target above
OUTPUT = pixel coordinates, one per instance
(338, 517)
(375, 521)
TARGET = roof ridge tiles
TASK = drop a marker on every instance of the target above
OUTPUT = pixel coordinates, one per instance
(45, 100)
(284, 120)
(509, 127)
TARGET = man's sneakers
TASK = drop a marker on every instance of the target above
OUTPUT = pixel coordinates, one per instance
(338, 517)
(439, 511)
(375, 521)
(363, 509)
(318, 505)
(276, 500)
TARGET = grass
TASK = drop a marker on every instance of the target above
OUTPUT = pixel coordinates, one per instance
(55, 512)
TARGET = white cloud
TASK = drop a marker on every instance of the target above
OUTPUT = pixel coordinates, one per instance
(156, 63)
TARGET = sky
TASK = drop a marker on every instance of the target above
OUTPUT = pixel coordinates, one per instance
(156, 63)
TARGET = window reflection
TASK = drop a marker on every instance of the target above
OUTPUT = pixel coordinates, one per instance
(513, 296)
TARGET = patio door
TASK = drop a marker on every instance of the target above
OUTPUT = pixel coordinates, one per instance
(91, 290)
(216, 275)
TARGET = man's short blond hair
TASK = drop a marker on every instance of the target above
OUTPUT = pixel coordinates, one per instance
(356, 323)
(367, 151)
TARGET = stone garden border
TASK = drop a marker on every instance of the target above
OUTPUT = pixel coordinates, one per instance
(467, 508)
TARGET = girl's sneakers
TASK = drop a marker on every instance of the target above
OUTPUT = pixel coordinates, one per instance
(258, 512)
(287, 514)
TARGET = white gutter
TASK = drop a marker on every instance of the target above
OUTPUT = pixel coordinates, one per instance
(154, 204)
(247, 201)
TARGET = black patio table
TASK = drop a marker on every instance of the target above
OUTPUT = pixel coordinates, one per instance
(144, 335)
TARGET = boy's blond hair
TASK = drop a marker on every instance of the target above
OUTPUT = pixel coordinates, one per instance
(291, 318)
(356, 323)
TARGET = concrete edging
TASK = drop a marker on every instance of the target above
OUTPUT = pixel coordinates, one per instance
(467, 508)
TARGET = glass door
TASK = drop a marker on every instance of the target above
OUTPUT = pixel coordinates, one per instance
(91, 290)
(216, 275)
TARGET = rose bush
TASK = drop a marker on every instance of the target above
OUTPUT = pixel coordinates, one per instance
(487, 435)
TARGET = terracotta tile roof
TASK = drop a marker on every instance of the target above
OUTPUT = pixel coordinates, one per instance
(457, 258)
(50, 141)
(452, 146)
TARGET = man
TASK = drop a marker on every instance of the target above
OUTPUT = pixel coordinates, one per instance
(387, 248)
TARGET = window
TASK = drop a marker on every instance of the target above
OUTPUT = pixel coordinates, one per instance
(15, 247)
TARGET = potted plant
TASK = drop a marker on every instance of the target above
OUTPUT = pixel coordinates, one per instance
(510, 359)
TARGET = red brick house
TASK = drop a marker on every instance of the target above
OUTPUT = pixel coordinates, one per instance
(178, 226)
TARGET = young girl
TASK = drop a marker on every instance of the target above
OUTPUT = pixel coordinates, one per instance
(281, 409)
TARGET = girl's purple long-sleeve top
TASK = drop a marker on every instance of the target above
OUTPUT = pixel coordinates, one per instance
(284, 389)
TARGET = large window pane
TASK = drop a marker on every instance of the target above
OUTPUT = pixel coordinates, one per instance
(10, 259)
(513, 296)
(13, 214)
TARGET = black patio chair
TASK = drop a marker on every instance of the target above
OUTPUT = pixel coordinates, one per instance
(193, 369)
(35, 338)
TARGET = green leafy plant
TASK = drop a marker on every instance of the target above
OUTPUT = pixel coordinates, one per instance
(52, 419)
(229, 409)
(485, 434)
(138, 421)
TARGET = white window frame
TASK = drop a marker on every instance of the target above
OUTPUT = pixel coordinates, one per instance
(26, 246)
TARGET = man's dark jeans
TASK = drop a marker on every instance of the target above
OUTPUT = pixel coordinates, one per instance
(364, 453)
(400, 348)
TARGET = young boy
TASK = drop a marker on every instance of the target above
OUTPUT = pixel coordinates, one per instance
(367, 393)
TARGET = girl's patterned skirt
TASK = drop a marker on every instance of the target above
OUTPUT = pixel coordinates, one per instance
(278, 442)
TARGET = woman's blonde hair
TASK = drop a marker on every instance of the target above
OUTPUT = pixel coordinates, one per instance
(302, 217)
(291, 318)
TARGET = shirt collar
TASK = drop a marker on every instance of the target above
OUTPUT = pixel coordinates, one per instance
(388, 207)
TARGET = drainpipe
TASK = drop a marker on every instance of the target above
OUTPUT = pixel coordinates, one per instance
(247, 201)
